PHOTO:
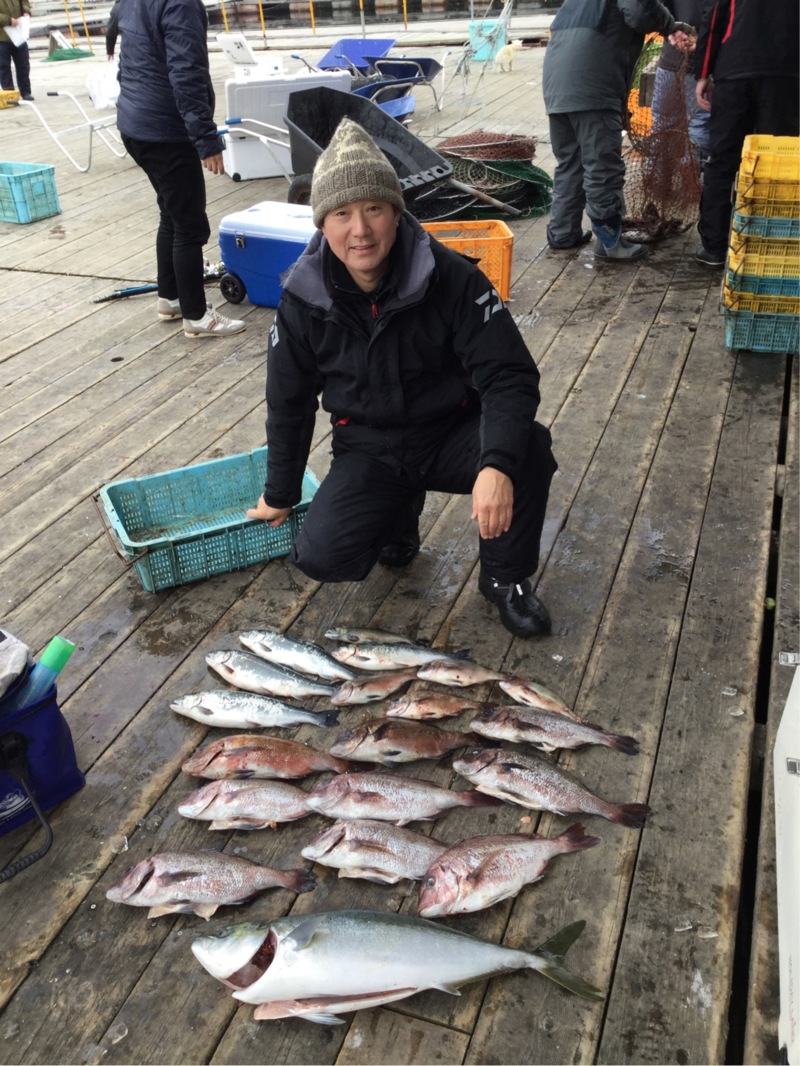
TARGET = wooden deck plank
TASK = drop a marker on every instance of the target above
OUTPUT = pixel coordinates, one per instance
(398, 1038)
(761, 1034)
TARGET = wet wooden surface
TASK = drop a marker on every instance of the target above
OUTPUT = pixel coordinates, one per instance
(671, 529)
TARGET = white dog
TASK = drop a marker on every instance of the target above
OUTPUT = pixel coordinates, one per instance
(506, 55)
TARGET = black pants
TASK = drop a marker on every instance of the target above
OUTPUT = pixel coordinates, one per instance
(176, 174)
(20, 56)
(366, 501)
(740, 106)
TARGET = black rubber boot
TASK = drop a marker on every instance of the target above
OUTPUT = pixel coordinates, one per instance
(400, 552)
(522, 613)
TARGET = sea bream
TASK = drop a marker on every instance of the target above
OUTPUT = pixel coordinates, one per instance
(231, 804)
(532, 694)
(372, 689)
(392, 742)
(348, 635)
(224, 709)
(460, 675)
(318, 966)
(480, 871)
(546, 730)
(252, 755)
(534, 782)
(300, 655)
(392, 656)
(374, 851)
(197, 882)
(244, 670)
(429, 704)
(389, 798)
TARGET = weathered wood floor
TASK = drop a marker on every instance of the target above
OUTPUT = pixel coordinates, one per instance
(669, 564)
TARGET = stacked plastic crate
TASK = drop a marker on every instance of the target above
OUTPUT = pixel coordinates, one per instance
(761, 292)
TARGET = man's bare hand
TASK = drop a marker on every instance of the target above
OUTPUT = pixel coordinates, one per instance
(492, 502)
(273, 516)
(704, 92)
(214, 163)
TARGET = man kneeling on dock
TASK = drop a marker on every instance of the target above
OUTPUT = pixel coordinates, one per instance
(428, 383)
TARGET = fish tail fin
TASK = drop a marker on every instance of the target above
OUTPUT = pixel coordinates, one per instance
(550, 962)
(627, 745)
(629, 814)
(299, 880)
(327, 720)
(461, 653)
(575, 838)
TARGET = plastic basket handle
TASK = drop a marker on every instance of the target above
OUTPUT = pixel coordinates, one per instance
(110, 534)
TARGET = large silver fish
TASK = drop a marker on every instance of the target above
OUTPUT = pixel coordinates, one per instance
(249, 755)
(460, 675)
(532, 694)
(225, 709)
(389, 798)
(372, 689)
(197, 882)
(247, 671)
(534, 782)
(349, 635)
(300, 655)
(546, 730)
(374, 851)
(390, 742)
(429, 704)
(392, 656)
(480, 871)
(319, 966)
(231, 804)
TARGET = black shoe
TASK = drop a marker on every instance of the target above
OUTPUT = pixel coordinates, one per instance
(400, 552)
(710, 259)
(586, 236)
(522, 613)
(27, 96)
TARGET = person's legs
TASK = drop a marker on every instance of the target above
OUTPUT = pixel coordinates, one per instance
(6, 77)
(351, 517)
(22, 65)
(777, 107)
(564, 228)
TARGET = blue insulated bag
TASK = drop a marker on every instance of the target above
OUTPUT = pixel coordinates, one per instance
(37, 766)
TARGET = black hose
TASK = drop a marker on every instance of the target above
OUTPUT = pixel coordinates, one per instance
(13, 760)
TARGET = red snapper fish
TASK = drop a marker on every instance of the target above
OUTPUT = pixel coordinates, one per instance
(197, 882)
(534, 782)
(390, 742)
(546, 730)
(232, 804)
(480, 871)
(246, 755)
(374, 851)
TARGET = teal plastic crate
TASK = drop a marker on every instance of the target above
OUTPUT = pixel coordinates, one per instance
(759, 226)
(755, 332)
(27, 192)
(185, 525)
(762, 286)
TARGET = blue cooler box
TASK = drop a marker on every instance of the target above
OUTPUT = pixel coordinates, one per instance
(259, 244)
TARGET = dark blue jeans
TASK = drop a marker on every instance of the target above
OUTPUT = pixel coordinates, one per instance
(20, 56)
(176, 174)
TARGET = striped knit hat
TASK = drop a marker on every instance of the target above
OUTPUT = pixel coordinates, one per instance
(351, 168)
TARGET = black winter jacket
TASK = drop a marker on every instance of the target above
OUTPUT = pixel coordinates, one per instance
(165, 85)
(748, 39)
(394, 372)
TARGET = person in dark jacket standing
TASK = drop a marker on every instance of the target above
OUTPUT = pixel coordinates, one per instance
(428, 383)
(11, 11)
(590, 59)
(165, 114)
(748, 57)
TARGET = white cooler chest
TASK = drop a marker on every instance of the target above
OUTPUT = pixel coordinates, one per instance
(266, 99)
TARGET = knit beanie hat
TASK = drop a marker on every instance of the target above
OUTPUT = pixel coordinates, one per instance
(351, 168)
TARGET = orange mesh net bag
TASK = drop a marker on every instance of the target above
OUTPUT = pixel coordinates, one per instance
(662, 182)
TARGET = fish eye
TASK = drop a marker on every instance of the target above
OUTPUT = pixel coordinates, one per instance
(430, 882)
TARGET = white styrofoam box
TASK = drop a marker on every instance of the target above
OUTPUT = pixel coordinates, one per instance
(265, 100)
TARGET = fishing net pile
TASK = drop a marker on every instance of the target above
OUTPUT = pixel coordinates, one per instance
(498, 164)
(662, 185)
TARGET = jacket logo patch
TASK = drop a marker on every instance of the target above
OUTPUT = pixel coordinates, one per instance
(491, 308)
(273, 335)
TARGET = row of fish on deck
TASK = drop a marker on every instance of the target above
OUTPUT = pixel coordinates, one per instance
(252, 786)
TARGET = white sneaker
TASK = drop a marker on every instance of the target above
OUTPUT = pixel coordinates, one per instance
(168, 309)
(212, 324)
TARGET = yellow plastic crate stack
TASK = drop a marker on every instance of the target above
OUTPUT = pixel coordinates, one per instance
(761, 291)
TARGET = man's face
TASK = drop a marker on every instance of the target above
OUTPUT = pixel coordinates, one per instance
(361, 234)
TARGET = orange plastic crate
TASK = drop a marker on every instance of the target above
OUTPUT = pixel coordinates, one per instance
(490, 241)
